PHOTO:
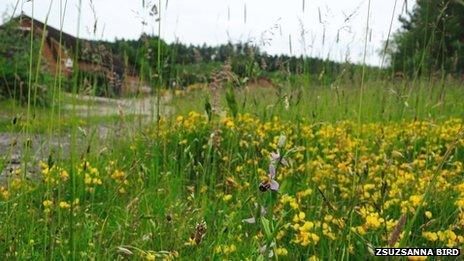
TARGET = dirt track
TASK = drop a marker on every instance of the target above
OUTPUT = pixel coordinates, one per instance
(12, 145)
(99, 106)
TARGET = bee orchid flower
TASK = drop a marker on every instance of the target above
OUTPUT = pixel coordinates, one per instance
(271, 183)
(276, 158)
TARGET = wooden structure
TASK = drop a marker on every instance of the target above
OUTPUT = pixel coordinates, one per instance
(66, 53)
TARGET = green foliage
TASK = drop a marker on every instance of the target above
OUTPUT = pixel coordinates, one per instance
(431, 39)
(208, 108)
(93, 83)
(189, 74)
(231, 101)
(387, 101)
(15, 60)
(141, 57)
(183, 65)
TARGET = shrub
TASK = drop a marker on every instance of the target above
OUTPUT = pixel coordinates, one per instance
(15, 71)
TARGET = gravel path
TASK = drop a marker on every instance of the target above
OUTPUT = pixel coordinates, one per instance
(12, 145)
(99, 106)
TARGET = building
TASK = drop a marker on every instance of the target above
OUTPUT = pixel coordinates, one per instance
(66, 53)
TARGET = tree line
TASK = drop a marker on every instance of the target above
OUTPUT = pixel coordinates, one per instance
(430, 40)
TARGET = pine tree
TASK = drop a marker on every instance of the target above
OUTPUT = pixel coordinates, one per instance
(431, 39)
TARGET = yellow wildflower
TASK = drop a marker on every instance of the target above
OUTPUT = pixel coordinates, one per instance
(64, 205)
(150, 256)
(300, 217)
(227, 197)
(47, 203)
(431, 236)
(313, 258)
(428, 214)
(281, 251)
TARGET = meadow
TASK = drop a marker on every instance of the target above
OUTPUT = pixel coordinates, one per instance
(231, 154)
(199, 185)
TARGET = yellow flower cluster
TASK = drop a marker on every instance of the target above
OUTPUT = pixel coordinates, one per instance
(48, 204)
(225, 249)
(460, 201)
(281, 251)
(305, 234)
(4, 193)
(228, 122)
(65, 205)
(373, 220)
(120, 178)
(227, 197)
(335, 177)
(91, 176)
(447, 237)
(53, 175)
(286, 199)
(192, 122)
(384, 172)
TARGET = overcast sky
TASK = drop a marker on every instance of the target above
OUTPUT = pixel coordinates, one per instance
(331, 28)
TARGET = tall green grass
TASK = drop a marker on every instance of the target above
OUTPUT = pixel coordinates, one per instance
(178, 178)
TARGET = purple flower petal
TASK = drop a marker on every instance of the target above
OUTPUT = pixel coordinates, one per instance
(272, 171)
(274, 185)
(275, 156)
(251, 220)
